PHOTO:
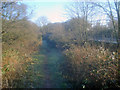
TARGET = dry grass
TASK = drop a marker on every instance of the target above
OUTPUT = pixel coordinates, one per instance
(19, 42)
(91, 67)
(13, 66)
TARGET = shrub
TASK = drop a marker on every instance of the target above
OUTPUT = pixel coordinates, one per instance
(18, 45)
(13, 66)
(90, 67)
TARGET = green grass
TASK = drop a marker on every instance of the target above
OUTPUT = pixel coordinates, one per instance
(36, 69)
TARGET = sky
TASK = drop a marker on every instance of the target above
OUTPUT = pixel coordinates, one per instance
(54, 11)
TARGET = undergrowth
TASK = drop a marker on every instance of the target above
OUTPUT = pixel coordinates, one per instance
(90, 67)
(19, 43)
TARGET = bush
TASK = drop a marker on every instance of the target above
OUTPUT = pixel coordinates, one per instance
(14, 66)
(18, 44)
(90, 67)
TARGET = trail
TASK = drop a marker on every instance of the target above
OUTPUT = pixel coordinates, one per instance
(47, 81)
(45, 70)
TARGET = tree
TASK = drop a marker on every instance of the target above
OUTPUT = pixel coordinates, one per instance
(13, 11)
(83, 10)
(41, 21)
(111, 9)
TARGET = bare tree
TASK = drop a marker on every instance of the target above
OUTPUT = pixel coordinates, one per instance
(41, 21)
(13, 11)
(81, 9)
(111, 9)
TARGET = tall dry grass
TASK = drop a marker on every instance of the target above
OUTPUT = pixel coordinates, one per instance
(19, 42)
(90, 67)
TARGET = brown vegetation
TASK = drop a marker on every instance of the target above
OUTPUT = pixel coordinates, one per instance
(90, 67)
(85, 65)
(18, 45)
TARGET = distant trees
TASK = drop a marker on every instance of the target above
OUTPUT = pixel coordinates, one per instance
(102, 32)
(41, 21)
(85, 10)
(75, 26)
(111, 9)
(81, 10)
(79, 28)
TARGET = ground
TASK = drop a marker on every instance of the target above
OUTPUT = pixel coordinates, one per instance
(44, 72)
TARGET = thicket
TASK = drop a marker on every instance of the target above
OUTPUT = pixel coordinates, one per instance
(18, 43)
(20, 39)
(90, 67)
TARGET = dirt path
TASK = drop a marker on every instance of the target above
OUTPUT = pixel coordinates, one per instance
(45, 72)
(47, 81)
(52, 76)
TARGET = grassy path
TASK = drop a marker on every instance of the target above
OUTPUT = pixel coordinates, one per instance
(45, 69)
